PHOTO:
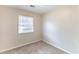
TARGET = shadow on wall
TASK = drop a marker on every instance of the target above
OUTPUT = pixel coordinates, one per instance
(60, 26)
(50, 30)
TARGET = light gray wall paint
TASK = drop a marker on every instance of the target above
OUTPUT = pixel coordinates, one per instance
(60, 28)
(9, 37)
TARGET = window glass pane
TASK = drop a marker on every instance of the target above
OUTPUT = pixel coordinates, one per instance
(25, 24)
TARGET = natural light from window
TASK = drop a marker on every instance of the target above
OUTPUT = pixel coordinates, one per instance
(25, 24)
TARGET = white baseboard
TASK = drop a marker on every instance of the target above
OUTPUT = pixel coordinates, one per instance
(19, 46)
(57, 47)
(34, 42)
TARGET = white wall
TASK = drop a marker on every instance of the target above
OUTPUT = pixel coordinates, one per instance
(9, 37)
(61, 28)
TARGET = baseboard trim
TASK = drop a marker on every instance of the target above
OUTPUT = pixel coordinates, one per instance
(19, 46)
(57, 47)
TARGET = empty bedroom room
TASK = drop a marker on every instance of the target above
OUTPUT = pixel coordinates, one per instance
(39, 29)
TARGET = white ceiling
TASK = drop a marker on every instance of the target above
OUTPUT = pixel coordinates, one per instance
(40, 9)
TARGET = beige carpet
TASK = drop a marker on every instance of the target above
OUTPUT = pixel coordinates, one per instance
(36, 48)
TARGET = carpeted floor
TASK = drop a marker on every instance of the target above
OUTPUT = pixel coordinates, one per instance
(36, 48)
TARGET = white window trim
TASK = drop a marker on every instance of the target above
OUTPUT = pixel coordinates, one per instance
(25, 31)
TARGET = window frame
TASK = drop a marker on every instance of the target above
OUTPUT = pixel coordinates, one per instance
(19, 24)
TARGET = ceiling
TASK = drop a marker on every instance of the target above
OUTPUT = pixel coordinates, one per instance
(40, 9)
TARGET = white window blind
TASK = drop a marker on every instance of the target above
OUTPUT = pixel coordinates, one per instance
(25, 24)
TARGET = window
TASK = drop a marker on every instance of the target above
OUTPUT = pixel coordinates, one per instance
(25, 24)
